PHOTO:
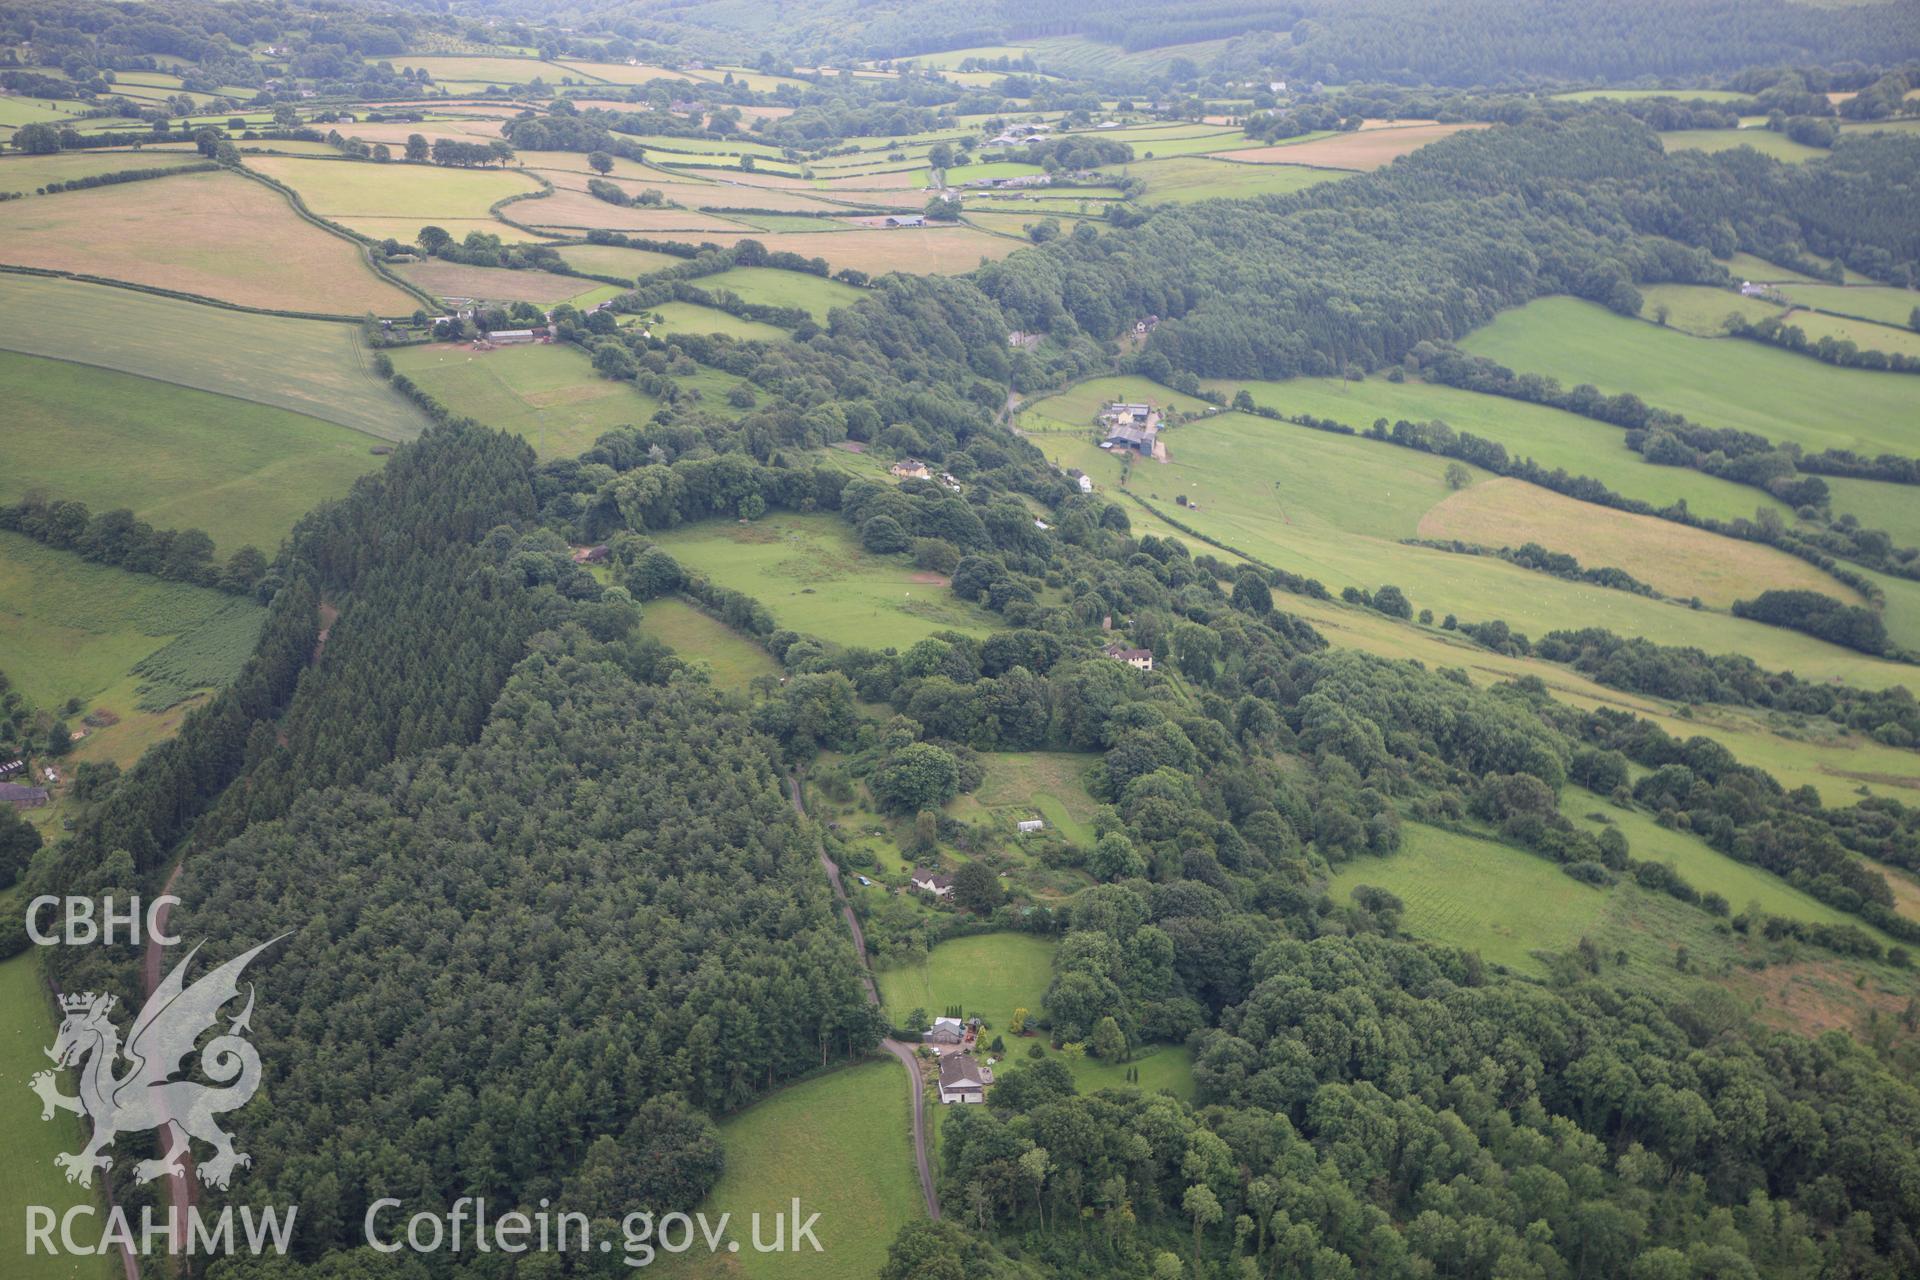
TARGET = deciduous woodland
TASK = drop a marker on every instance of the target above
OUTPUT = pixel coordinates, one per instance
(962, 474)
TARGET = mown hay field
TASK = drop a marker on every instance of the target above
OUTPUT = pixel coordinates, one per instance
(613, 260)
(1882, 303)
(1864, 334)
(354, 188)
(312, 367)
(178, 458)
(1673, 559)
(213, 234)
(494, 284)
(1364, 149)
(1184, 179)
(548, 394)
(1479, 895)
(1745, 385)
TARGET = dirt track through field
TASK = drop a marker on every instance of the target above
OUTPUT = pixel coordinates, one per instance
(916, 1094)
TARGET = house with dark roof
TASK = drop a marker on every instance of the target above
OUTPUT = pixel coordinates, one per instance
(1138, 659)
(22, 797)
(963, 1078)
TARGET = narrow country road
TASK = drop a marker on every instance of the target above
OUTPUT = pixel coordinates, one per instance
(916, 1095)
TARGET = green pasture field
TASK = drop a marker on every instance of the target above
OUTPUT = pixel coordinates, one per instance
(25, 174)
(810, 571)
(1184, 179)
(989, 975)
(1901, 612)
(1745, 266)
(29, 1175)
(1746, 385)
(179, 458)
(1765, 141)
(613, 260)
(1163, 1068)
(666, 148)
(1864, 334)
(354, 188)
(732, 659)
(311, 367)
(546, 393)
(1883, 303)
(1700, 865)
(691, 317)
(1701, 309)
(1045, 784)
(1684, 95)
(15, 112)
(1479, 896)
(772, 287)
(70, 628)
(1075, 409)
(961, 174)
(1892, 508)
(1337, 507)
(1551, 437)
(843, 1142)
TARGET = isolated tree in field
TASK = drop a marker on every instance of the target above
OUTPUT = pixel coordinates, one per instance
(600, 161)
(1458, 477)
(977, 888)
(941, 156)
(417, 150)
(1109, 1043)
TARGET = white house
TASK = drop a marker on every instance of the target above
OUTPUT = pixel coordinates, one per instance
(932, 882)
(963, 1079)
(1138, 659)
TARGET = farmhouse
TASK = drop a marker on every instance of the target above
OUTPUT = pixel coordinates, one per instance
(910, 469)
(1138, 659)
(932, 882)
(1086, 483)
(22, 797)
(963, 1079)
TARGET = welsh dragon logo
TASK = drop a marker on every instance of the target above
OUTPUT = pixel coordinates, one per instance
(145, 1096)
